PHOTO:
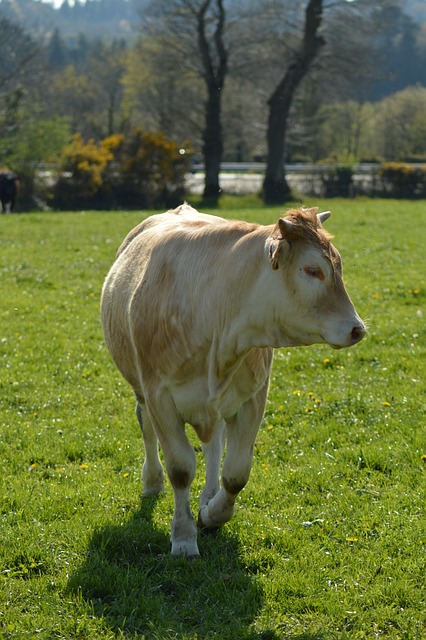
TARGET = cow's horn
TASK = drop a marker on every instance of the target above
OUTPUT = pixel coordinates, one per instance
(322, 217)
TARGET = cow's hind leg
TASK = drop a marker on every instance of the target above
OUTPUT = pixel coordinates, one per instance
(180, 461)
(241, 435)
(152, 470)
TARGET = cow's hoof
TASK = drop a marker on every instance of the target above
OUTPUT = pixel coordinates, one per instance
(203, 523)
(188, 550)
(192, 558)
(200, 523)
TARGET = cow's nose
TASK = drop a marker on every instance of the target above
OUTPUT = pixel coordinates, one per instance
(357, 333)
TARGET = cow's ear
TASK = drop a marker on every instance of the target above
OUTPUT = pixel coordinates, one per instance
(275, 254)
(287, 231)
(322, 217)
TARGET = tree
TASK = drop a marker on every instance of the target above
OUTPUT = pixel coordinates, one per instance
(399, 125)
(73, 96)
(275, 186)
(19, 55)
(105, 69)
(401, 61)
(205, 56)
(38, 140)
(215, 61)
(27, 137)
(158, 97)
(57, 54)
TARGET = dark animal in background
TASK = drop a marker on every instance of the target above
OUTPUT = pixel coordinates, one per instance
(9, 185)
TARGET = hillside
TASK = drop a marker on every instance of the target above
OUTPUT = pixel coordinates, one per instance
(108, 18)
(94, 18)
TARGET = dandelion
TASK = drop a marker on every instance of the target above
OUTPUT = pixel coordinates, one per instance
(296, 392)
(125, 475)
(270, 426)
(351, 539)
(386, 404)
(84, 466)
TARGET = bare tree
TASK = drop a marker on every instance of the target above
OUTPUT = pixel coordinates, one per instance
(215, 63)
(275, 186)
(193, 33)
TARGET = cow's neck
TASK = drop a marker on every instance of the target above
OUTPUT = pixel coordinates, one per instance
(259, 321)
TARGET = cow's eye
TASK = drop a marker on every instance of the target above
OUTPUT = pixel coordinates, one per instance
(314, 272)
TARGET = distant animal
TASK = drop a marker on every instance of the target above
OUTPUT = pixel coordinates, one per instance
(191, 310)
(9, 185)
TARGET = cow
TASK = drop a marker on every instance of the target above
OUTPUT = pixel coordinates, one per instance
(9, 185)
(192, 309)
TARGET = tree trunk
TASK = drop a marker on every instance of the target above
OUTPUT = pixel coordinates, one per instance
(275, 186)
(212, 145)
(215, 68)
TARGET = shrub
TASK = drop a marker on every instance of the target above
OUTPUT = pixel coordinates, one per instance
(142, 169)
(337, 182)
(83, 166)
(151, 170)
(400, 180)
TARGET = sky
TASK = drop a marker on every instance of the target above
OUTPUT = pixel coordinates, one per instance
(56, 3)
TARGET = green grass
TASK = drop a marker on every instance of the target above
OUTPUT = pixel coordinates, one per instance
(328, 540)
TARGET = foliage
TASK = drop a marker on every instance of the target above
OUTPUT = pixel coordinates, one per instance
(142, 169)
(398, 127)
(328, 537)
(57, 86)
(151, 170)
(84, 165)
(337, 181)
(399, 180)
(32, 142)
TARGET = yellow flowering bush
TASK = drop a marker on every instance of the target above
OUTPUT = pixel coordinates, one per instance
(142, 169)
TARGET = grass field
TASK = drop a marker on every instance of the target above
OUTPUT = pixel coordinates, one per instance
(328, 540)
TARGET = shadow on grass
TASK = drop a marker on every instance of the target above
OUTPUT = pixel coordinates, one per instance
(130, 580)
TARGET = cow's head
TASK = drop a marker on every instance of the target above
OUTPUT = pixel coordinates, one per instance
(318, 308)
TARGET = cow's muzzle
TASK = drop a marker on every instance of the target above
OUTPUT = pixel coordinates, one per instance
(354, 336)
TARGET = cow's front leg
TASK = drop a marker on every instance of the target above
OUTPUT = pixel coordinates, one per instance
(213, 451)
(180, 461)
(241, 435)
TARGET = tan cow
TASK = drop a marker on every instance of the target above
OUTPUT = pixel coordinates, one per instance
(192, 309)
